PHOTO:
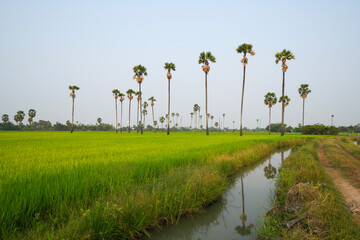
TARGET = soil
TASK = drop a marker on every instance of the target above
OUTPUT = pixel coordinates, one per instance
(348, 191)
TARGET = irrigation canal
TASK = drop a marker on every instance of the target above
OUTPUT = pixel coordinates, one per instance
(238, 213)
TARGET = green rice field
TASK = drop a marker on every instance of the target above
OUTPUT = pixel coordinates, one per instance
(102, 185)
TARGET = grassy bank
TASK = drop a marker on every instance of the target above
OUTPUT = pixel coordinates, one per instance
(105, 185)
(306, 194)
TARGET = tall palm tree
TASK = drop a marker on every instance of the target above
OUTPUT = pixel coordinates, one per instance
(204, 59)
(144, 113)
(73, 95)
(198, 120)
(140, 72)
(196, 108)
(5, 118)
(244, 49)
(223, 120)
(169, 67)
(162, 120)
(152, 99)
(283, 57)
(216, 124)
(177, 118)
(116, 94)
(99, 120)
(233, 124)
(270, 100)
(130, 96)
(138, 107)
(191, 115)
(173, 115)
(32, 115)
(16, 119)
(122, 98)
(304, 91)
(212, 119)
(20, 117)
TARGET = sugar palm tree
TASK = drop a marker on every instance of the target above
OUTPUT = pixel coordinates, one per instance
(283, 56)
(204, 59)
(99, 120)
(216, 124)
(130, 96)
(144, 113)
(138, 107)
(270, 100)
(177, 118)
(140, 72)
(16, 119)
(162, 120)
(212, 119)
(20, 117)
(304, 91)
(173, 115)
(116, 94)
(32, 115)
(122, 98)
(198, 120)
(244, 49)
(169, 67)
(5, 118)
(73, 95)
(152, 99)
(195, 109)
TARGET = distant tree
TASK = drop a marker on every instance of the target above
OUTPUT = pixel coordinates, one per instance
(99, 120)
(212, 118)
(144, 113)
(173, 115)
(122, 98)
(140, 72)
(283, 57)
(204, 59)
(216, 124)
(116, 94)
(304, 91)
(32, 115)
(5, 118)
(270, 100)
(20, 117)
(244, 49)
(177, 118)
(72, 95)
(152, 100)
(223, 120)
(285, 100)
(138, 94)
(195, 109)
(162, 120)
(130, 96)
(169, 66)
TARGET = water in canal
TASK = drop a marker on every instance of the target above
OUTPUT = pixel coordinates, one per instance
(238, 212)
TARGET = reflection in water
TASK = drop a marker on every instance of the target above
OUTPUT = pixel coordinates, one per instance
(243, 230)
(270, 170)
(227, 218)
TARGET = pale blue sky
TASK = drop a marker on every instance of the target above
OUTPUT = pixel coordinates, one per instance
(47, 45)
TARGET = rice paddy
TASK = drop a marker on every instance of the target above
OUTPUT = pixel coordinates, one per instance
(105, 185)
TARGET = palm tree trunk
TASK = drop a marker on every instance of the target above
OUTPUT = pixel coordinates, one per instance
(206, 106)
(303, 112)
(129, 114)
(141, 125)
(168, 125)
(283, 106)
(242, 101)
(72, 125)
(137, 117)
(121, 117)
(116, 113)
(152, 109)
(269, 120)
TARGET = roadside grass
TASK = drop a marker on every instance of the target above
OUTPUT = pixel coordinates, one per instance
(55, 185)
(348, 145)
(349, 168)
(307, 195)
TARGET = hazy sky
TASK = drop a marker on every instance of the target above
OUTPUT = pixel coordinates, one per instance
(45, 46)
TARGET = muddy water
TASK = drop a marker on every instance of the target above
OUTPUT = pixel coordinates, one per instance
(237, 214)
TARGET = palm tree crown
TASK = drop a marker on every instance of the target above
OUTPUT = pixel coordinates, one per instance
(5, 118)
(283, 56)
(73, 88)
(139, 71)
(116, 93)
(304, 90)
(270, 99)
(152, 99)
(286, 100)
(121, 96)
(244, 49)
(204, 59)
(169, 67)
(130, 93)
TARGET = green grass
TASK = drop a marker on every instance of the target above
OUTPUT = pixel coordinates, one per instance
(104, 185)
(348, 145)
(300, 187)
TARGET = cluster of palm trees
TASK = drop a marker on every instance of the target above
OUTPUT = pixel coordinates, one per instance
(204, 59)
(19, 117)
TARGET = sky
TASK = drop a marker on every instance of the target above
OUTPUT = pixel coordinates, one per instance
(45, 46)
